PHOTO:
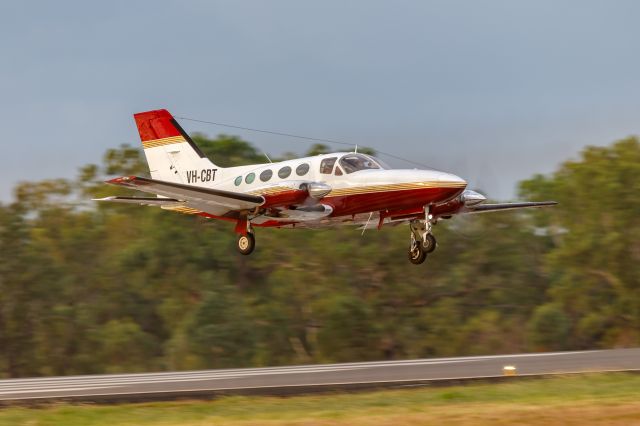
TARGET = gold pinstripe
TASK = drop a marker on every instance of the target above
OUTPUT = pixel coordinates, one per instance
(369, 189)
(182, 209)
(271, 191)
(393, 187)
(161, 142)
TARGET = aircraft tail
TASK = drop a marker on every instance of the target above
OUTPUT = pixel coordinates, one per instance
(171, 154)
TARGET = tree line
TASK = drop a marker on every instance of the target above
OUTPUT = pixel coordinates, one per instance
(94, 288)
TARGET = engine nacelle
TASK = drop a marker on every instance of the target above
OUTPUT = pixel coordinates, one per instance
(303, 213)
(471, 198)
(316, 190)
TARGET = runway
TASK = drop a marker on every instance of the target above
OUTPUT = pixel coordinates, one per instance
(308, 378)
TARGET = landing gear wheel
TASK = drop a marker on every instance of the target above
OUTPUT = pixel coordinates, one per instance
(429, 243)
(417, 254)
(246, 243)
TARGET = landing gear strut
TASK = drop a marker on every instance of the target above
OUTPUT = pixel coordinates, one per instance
(422, 240)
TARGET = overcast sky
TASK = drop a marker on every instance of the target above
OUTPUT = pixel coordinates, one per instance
(494, 91)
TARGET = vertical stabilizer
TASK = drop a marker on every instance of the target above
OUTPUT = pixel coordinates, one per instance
(171, 154)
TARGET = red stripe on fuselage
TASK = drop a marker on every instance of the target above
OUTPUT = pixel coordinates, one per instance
(391, 200)
(407, 203)
(284, 198)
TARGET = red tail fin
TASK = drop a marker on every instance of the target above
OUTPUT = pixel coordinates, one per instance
(158, 124)
(159, 128)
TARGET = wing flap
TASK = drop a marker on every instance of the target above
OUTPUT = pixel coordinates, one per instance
(143, 201)
(211, 200)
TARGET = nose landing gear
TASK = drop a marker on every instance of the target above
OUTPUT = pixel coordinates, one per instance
(417, 254)
(422, 240)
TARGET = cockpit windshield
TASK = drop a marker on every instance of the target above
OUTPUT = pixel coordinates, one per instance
(356, 162)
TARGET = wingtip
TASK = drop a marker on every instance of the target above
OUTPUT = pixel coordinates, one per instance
(122, 180)
(544, 203)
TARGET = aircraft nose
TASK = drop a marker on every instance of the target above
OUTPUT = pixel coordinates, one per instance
(449, 177)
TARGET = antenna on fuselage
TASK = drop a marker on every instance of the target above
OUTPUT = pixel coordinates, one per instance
(368, 220)
(265, 154)
(355, 150)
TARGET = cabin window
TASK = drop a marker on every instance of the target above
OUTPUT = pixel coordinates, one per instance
(238, 181)
(250, 178)
(284, 172)
(266, 175)
(302, 169)
(338, 171)
(326, 166)
(356, 162)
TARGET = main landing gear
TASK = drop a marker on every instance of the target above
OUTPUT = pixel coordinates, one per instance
(246, 243)
(422, 240)
(246, 237)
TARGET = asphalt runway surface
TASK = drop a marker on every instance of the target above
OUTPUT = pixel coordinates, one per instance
(309, 378)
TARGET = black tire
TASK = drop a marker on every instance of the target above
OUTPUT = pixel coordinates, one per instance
(429, 244)
(246, 243)
(418, 255)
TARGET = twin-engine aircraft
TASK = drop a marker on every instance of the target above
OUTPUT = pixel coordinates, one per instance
(328, 190)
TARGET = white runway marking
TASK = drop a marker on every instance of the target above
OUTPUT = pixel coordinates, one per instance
(361, 372)
(62, 389)
(195, 376)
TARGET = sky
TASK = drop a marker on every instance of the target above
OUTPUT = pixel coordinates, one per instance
(494, 91)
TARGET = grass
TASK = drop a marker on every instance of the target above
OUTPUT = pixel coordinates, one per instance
(612, 399)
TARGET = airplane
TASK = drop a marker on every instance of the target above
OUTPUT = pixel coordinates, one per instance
(327, 190)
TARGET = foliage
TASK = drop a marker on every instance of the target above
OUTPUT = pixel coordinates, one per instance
(593, 265)
(88, 288)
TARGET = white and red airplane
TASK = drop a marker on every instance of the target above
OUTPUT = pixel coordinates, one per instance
(341, 188)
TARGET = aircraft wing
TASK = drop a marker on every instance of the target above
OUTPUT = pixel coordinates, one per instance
(214, 201)
(483, 208)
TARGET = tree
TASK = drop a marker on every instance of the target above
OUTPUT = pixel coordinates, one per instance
(228, 151)
(549, 328)
(88, 288)
(220, 331)
(593, 264)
